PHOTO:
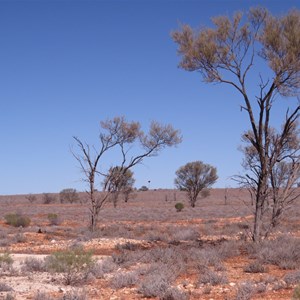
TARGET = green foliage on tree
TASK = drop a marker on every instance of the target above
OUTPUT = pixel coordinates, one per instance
(195, 177)
(268, 48)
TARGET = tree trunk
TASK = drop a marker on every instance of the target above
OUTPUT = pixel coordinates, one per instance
(93, 210)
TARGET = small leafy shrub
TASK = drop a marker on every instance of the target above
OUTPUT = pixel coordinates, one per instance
(296, 294)
(17, 220)
(73, 263)
(245, 291)
(5, 260)
(179, 206)
(255, 267)
(53, 219)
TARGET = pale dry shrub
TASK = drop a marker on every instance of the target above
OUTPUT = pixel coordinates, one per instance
(211, 277)
(102, 267)
(32, 264)
(173, 293)
(255, 267)
(124, 279)
(292, 277)
(154, 285)
(5, 288)
(245, 291)
(283, 252)
(42, 296)
(228, 249)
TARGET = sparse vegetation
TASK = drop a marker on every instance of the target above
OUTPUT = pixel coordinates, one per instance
(165, 248)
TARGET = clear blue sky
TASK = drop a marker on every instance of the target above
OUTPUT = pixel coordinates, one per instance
(67, 65)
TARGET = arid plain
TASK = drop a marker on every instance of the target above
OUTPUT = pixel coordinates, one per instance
(146, 249)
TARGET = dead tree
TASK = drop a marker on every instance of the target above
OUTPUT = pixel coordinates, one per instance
(119, 134)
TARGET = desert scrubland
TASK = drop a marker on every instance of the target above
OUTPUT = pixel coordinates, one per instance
(145, 248)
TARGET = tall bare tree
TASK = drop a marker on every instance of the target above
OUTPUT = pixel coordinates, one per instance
(195, 178)
(119, 134)
(227, 54)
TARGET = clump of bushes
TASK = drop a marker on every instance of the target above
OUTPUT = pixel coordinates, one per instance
(179, 206)
(143, 188)
(17, 220)
(49, 198)
(283, 252)
(68, 195)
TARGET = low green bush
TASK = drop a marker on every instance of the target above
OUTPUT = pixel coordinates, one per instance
(17, 220)
(179, 206)
(296, 294)
(53, 219)
(73, 263)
